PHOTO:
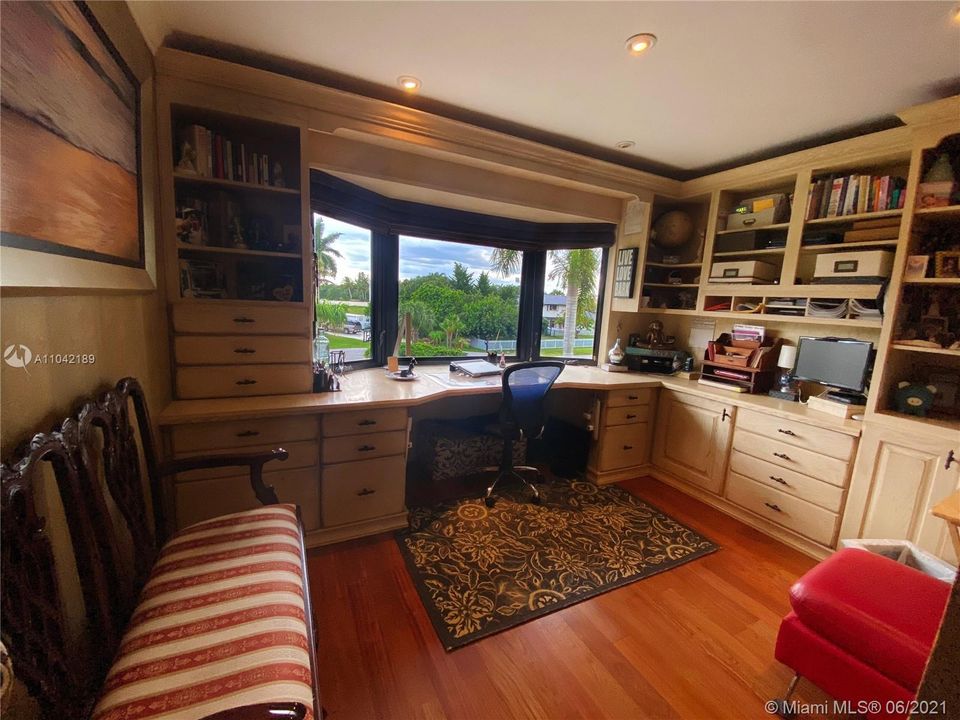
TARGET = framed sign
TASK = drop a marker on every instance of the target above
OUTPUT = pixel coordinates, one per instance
(625, 271)
(71, 129)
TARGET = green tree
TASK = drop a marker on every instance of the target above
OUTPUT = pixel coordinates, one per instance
(462, 278)
(422, 318)
(451, 326)
(483, 284)
(362, 284)
(505, 262)
(331, 315)
(577, 271)
(443, 300)
(326, 253)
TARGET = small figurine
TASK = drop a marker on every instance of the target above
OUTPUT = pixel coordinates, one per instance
(503, 360)
(655, 336)
(278, 175)
(188, 159)
(409, 370)
(914, 398)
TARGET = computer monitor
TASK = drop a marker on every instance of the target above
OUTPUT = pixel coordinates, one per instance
(840, 363)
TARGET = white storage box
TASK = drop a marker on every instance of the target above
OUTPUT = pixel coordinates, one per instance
(865, 266)
(759, 212)
(907, 553)
(744, 271)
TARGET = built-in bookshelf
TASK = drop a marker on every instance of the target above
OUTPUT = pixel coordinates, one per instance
(237, 206)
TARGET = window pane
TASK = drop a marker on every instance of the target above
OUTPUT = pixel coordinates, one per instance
(343, 290)
(463, 299)
(571, 289)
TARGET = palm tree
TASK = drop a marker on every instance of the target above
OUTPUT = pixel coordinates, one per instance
(451, 326)
(505, 262)
(326, 254)
(577, 270)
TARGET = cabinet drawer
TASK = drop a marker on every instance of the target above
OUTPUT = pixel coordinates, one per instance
(619, 398)
(205, 499)
(351, 492)
(301, 454)
(240, 320)
(624, 446)
(240, 349)
(820, 440)
(829, 497)
(363, 422)
(798, 515)
(792, 457)
(241, 434)
(243, 380)
(362, 447)
(626, 415)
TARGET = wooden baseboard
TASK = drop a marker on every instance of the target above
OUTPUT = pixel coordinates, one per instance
(352, 531)
(609, 477)
(787, 537)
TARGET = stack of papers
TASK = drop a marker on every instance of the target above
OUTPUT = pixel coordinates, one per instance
(827, 308)
(864, 308)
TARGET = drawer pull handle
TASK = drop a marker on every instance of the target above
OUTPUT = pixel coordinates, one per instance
(778, 479)
(725, 415)
(951, 459)
(367, 422)
(633, 397)
(782, 456)
(243, 319)
(365, 491)
(631, 417)
(628, 447)
(791, 433)
(248, 433)
(246, 382)
(749, 221)
(773, 506)
(244, 351)
(366, 448)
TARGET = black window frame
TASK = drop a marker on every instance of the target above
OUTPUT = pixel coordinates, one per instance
(388, 219)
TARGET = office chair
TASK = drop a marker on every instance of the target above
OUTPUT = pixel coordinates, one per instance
(525, 387)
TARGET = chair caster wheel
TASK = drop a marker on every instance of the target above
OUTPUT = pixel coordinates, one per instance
(489, 501)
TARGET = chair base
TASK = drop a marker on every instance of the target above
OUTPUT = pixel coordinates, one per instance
(502, 473)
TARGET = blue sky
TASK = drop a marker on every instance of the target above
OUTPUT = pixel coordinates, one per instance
(418, 256)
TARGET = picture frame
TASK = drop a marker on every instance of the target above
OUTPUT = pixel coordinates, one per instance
(625, 272)
(947, 264)
(916, 268)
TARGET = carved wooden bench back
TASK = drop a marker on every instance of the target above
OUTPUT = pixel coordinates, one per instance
(99, 441)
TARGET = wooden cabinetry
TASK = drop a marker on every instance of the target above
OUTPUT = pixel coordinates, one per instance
(899, 477)
(692, 439)
(622, 440)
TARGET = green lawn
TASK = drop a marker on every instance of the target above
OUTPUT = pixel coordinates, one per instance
(338, 342)
(557, 352)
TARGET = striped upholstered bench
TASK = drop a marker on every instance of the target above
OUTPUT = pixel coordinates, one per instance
(214, 623)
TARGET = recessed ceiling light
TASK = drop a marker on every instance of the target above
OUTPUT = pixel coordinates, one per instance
(639, 44)
(956, 14)
(625, 144)
(408, 83)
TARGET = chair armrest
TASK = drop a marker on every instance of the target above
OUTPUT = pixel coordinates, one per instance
(253, 461)
(265, 711)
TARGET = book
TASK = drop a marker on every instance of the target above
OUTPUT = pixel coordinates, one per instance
(883, 233)
(832, 407)
(825, 199)
(816, 197)
(721, 385)
(836, 190)
(863, 190)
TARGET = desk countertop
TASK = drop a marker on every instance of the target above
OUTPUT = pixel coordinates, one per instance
(363, 389)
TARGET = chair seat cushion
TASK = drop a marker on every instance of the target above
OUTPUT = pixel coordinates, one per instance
(220, 624)
(878, 610)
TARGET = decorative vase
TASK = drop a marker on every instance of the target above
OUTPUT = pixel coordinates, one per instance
(616, 353)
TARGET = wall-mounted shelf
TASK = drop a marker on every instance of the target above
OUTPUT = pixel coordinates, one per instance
(236, 251)
(921, 349)
(935, 212)
(775, 226)
(750, 253)
(672, 285)
(854, 218)
(233, 184)
(945, 282)
(848, 246)
(674, 265)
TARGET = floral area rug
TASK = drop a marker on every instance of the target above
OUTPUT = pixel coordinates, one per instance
(481, 570)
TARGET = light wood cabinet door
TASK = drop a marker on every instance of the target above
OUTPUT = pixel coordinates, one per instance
(898, 478)
(692, 439)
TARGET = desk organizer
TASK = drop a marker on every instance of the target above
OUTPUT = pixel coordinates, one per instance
(745, 365)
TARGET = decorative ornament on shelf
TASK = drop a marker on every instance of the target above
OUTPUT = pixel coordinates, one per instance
(914, 398)
(938, 184)
(616, 354)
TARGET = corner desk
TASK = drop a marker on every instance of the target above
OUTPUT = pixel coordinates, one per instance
(773, 464)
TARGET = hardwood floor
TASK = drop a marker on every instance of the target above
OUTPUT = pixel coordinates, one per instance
(694, 642)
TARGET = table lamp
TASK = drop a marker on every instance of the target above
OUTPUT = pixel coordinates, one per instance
(786, 388)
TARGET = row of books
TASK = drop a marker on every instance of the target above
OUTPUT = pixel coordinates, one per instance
(209, 154)
(839, 195)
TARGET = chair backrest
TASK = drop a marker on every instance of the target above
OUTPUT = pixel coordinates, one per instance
(93, 454)
(525, 387)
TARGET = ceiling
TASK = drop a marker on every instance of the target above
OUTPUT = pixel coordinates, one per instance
(727, 81)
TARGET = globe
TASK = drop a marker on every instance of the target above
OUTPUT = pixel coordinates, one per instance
(672, 230)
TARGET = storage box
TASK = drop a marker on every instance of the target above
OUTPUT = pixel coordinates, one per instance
(759, 211)
(749, 240)
(863, 266)
(744, 271)
(906, 553)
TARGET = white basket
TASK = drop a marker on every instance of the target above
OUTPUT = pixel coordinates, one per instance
(907, 553)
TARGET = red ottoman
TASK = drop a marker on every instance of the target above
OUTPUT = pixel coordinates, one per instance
(862, 628)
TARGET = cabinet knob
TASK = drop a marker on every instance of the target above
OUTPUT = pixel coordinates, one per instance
(244, 351)
(951, 459)
(366, 448)
(633, 397)
(248, 433)
(631, 417)
(782, 456)
(778, 479)
(246, 382)
(773, 506)
(243, 319)
(791, 433)
(365, 491)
